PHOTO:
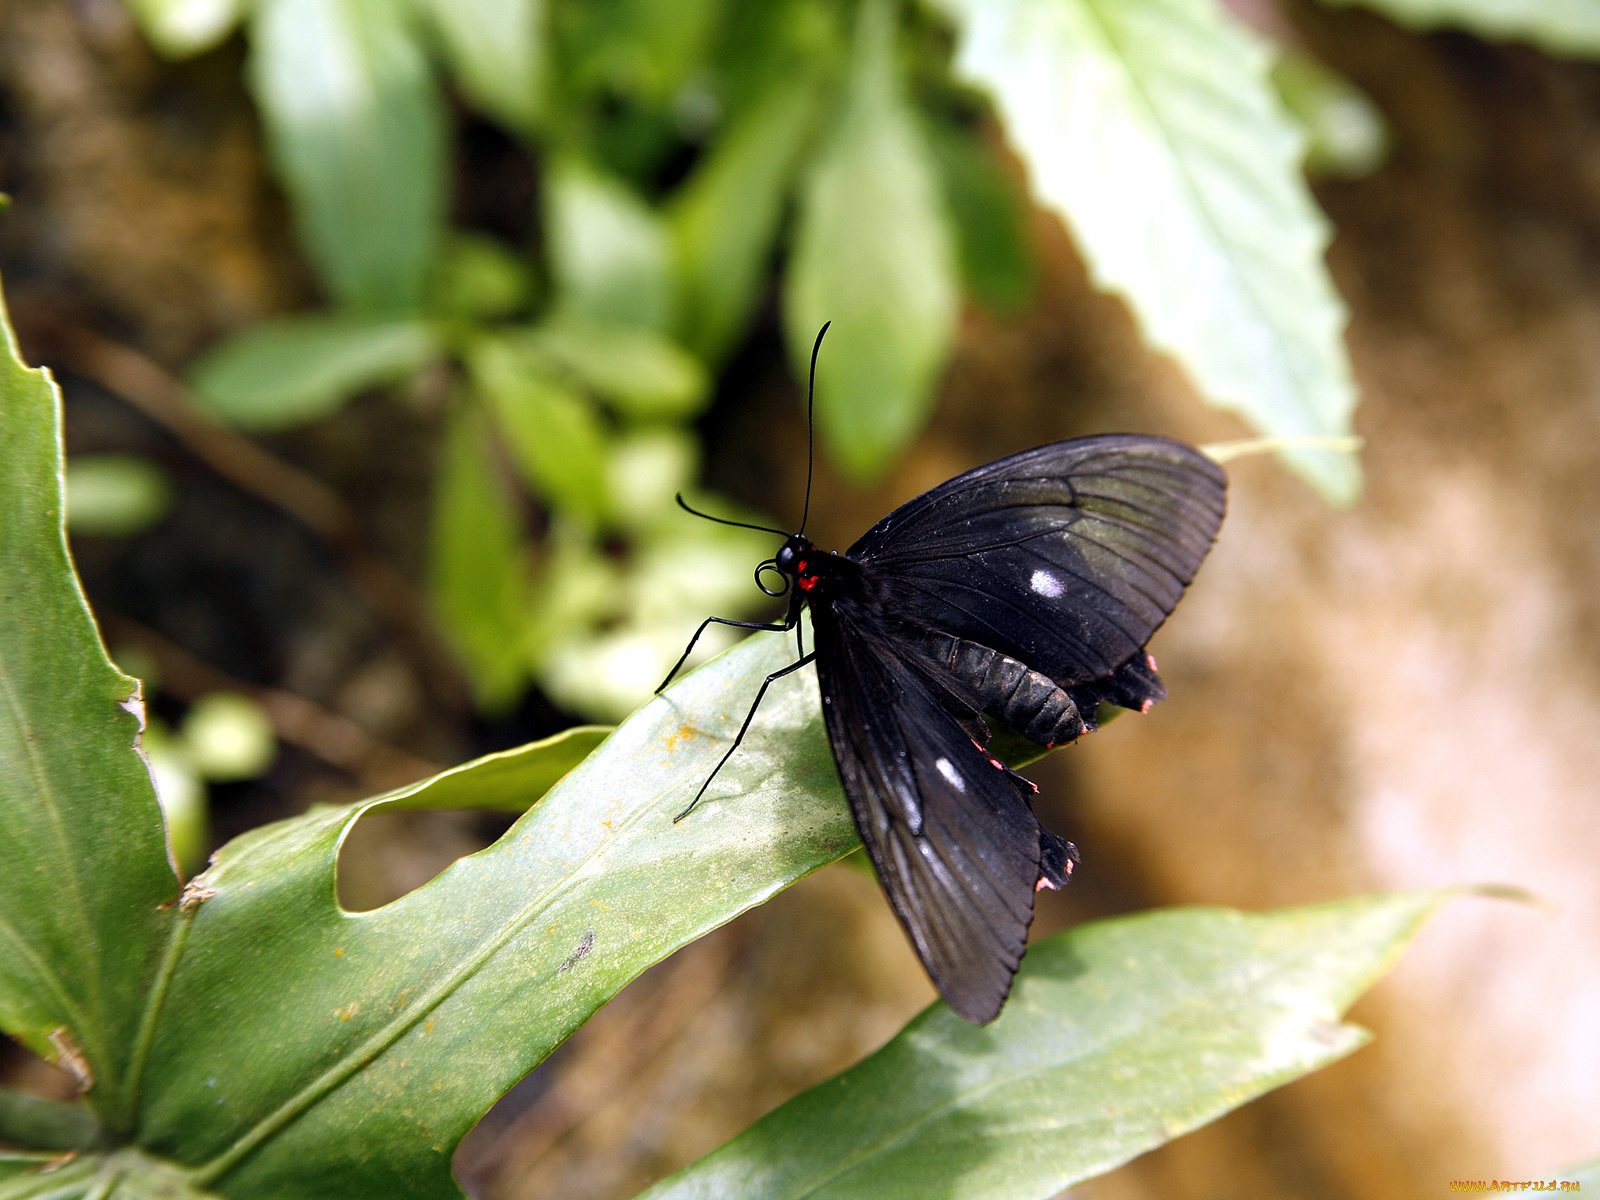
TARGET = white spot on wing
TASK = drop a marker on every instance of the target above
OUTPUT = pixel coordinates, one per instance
(1046, 584)
(949, 772)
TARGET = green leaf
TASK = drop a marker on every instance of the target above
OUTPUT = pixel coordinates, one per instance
(376, 1039)
(1559, 26)
(510, 781)
(643, 375)
(476, 571)
(1584, 1172)
(606, 637)
(724, 219)
(496, 51)
(1150, 126)
(989, 219)
(609, 251)
(1120, 1035)
(357, 132)
(45, 1124)
(1346, 135)
(114, 495)
(554, 431)
(181, 28)
(126, 1174)
(83, 860)
(479, 278)
(296, 369)
(873, 254)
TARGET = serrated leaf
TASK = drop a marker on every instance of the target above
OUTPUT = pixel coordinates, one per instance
(357, 133)
(1346, 135)
(609, 252)
(283, 373)
(1151, 127)
(553, 430)
(643, 375)
(874, 254)
(181, 28)
(475, 564)
(496, 51)
(376, 1039)
(83, 860)
(1559, 26)
(724, 219)
(1120, 1035)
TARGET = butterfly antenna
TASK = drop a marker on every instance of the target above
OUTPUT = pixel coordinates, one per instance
(811, 423)
(684, 504)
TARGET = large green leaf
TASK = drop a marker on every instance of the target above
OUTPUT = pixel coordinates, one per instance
(476, 571)
(496, 50)
(509, 781)
(309, 1052)
(297, 369)
(873, 254)
(725, 217)
(357, 132)
(1151, 127)
(83, 861)
(1560, 26)
(179, 28)
(1120, 1035)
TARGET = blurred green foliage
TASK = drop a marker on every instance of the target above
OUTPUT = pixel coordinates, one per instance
(698, 157)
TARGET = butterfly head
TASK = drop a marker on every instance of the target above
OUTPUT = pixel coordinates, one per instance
(798, 561)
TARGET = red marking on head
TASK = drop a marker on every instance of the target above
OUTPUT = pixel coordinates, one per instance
(807, 582)
(801, 566)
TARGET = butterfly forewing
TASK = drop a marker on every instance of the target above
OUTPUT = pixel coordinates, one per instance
(1067, 557)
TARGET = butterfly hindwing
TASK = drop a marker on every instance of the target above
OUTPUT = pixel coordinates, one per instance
(955, 843)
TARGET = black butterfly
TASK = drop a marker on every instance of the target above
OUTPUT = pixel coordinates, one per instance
(1025, 589)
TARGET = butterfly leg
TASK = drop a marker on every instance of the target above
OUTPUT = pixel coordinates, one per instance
(748, 717)
(689, 649)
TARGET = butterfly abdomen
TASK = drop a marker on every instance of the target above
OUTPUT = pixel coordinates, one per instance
(1029, 702)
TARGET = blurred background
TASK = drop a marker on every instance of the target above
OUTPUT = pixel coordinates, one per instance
(389, 329)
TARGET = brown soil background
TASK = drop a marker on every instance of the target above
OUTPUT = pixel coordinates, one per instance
(1403, 695)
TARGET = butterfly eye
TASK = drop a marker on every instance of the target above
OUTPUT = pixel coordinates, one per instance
(783, 580)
